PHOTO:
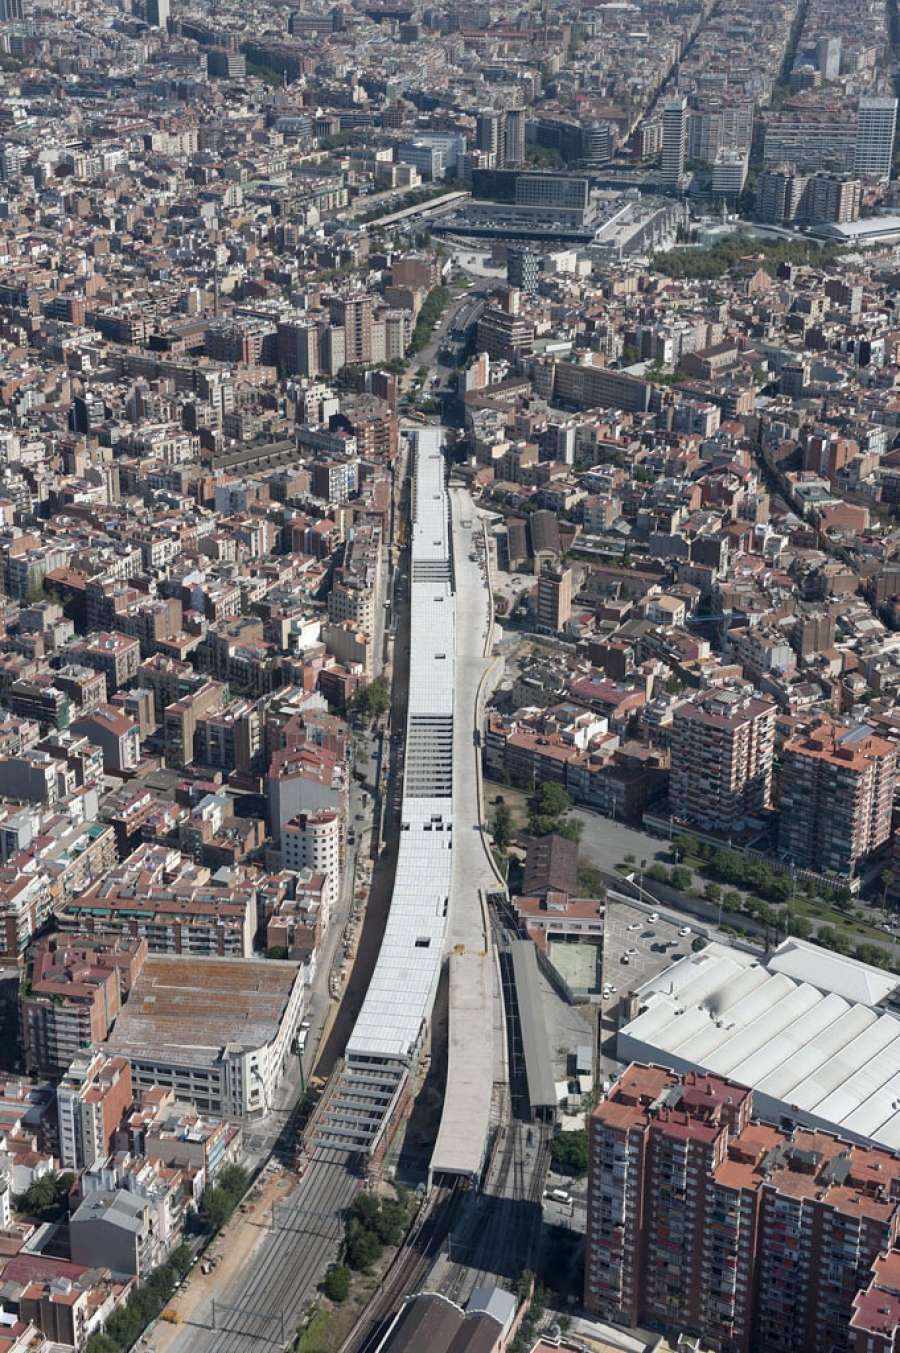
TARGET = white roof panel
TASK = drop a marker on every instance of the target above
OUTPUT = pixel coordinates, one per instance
(847, 977)
(795, 1035)
(798, 1037)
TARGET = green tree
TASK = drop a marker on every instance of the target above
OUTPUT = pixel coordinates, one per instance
(215, 1208)
(713, 893)
(799, 926)
(233, 1179)
(552, 800)
(538, 825)
(887, 878)
(181, 1259)
(102, 1343)
(374, 700)
(569, 1153)
(687, 845)
(47, 1197)
(337, 1283)
(572, 828)
(502, 826)
(680, 878)
(831, 938)
(363, 1247)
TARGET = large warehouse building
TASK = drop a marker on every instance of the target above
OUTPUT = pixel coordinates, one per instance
(814, 1035)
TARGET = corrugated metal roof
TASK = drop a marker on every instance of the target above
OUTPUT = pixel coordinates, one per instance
(532, 1025)
(801, 1043)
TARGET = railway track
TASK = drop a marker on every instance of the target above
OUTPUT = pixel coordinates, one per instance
(499, 1240)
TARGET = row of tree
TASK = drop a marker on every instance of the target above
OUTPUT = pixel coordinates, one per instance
(126, 1324)
(372, 701)
(743, 871)
(219, 1200)
(433, 307)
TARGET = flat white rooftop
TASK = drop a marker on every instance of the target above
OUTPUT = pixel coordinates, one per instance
(401, 993)
(794, 1030)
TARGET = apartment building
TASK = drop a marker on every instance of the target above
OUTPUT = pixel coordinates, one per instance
(554, 597)
(39, 698)
(355, 315)
(304, 779)
(117, 656)
(71, 998)
(836, 796)
(90, 1100)
(115, 734)
(722, 755)
(178, 906)
(230, 738)
(702, 1220)
(313, 841)
(182, 718)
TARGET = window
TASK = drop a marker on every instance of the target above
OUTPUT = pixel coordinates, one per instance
(423, 942)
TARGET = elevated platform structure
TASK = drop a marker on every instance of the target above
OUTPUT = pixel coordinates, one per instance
(393, 1022)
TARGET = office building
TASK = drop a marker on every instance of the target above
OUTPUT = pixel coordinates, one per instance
(836, 795)
(554, 597)
(523, 268)
(700, 1218)
(514, 137)
(722, 753)
(729, 173)
(158, 13)
(427, 158)
(876, 128)
(597, 141)
(553, 192)
(674, 141)
(489, 133)
(828, 57)
(221, 64)
(90, 1101)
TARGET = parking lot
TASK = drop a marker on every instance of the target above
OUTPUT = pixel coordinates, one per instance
(635, 948)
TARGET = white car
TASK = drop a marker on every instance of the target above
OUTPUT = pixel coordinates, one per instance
(654, 916)
(685, 930)
(632, 953)
(635, 925)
